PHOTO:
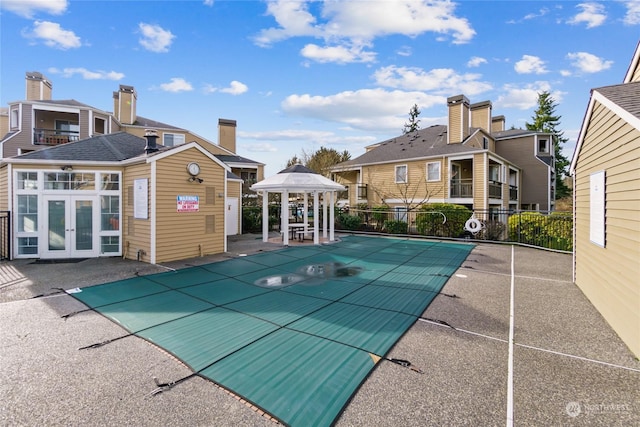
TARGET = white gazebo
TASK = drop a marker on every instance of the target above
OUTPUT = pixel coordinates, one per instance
(301, 180)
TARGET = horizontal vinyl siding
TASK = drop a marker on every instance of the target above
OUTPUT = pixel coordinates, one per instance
(380, 180)
(183, 235)
(480, 181)
(609, 276)
(4, 188)
(141, 240)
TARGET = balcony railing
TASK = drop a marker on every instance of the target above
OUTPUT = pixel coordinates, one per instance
(54, 136)
(495, 190)
(461, 188)
(513, 192)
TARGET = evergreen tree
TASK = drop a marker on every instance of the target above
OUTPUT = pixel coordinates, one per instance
(545, 120)
(414, 123)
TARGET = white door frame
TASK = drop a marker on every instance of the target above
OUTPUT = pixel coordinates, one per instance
(231, 216)
(68, 240)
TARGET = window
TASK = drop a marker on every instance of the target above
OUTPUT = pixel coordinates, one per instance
(110, 213)
(110, 181)
(99, 126)
(27, 245)
(433, 171)
(401, 174)
(65, 127)
(27, 180)
(14, 118)
(485, 142)
(543, 146)
(69, 181)
(109, 244)
(27, 213)
(171, 139)
(494, 173)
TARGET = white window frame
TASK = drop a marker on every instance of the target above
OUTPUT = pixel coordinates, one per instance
(439, 172)
(179, 137)
(547, 148)
(14, 119)
(406, 174)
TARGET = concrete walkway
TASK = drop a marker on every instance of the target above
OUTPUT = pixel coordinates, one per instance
(564, 366)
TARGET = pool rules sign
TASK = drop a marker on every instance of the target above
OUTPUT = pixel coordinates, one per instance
(188, 204)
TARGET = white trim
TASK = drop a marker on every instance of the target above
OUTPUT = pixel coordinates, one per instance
(614, 108)
(224, 214)
(152, 219)
(439, 163)
(406, 176)
(56, 108)
(635, 62)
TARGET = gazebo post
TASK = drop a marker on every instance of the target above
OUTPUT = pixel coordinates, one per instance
(265, 216)
(316, 200)
(305, 212)
(332, 214)
(325, 195)
(284, 217)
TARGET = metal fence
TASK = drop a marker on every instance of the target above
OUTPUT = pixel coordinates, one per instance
(5, 235)
(550, 230)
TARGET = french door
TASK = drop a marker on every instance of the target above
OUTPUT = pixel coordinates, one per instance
(70, 227)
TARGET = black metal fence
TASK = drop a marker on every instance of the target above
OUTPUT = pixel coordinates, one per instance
(5, 235)
(550, 230)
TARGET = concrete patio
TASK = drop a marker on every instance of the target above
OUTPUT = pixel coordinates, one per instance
(568, 366)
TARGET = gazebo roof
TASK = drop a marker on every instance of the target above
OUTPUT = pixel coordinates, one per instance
(297, 178)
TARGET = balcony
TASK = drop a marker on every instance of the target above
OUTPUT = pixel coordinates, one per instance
(54, 136)
(495, 190)
(461, 188)
(513, 192)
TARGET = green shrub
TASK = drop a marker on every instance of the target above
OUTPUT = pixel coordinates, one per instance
(395, 227)
(430, 223)
(553, 231)
(349, 222)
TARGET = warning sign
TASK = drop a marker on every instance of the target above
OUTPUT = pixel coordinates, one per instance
(188, 204)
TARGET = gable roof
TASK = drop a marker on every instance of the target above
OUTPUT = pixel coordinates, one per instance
(114, 147)
(428, 142)
(623, 100)
(635, 63)
(228, 158)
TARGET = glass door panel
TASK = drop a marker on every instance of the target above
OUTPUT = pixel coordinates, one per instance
(57, 230)
(83, 225)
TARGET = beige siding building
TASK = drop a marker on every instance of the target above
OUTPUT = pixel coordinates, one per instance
(606, 172)
(472, 161)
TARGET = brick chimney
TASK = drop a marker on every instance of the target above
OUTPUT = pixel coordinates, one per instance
(124, 105)
(151, 135)
(227, 134)
(481, 115)
(38, 87)
(458, 119)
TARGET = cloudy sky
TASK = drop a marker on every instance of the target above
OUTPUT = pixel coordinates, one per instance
(299, 75)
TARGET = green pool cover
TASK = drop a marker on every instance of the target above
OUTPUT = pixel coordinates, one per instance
(294, 331)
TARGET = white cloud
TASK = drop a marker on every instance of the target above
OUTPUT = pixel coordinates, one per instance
(632, 17)
(261, 148)
(208, 2)
(588, 63)
(177, 84)
(53, 35)
(530, 64)
(526, 97)
(368, 109)
(29, 8)
(439, 80)
(88, 75)
(593, 14)
(155, 38)
(476, 61)
(338, 54)
(347, 24)
(541, 12)
(235, 88)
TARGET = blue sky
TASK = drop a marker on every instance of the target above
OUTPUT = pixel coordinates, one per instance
(300, 75)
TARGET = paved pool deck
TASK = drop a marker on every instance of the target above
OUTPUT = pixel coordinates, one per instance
(567, 366)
